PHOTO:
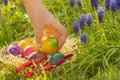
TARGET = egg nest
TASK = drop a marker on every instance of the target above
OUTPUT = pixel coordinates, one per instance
(69, 47)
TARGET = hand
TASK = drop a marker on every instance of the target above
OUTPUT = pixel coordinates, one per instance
(43, 20)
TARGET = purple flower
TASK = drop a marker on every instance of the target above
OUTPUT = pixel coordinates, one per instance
(83, 38)
(79, 3)
(94, 4)
(82, 21)
(89, 19)
(76, 27)
(107, 4)
(72, 3)
(118, 3)
(14, 50)
(113, 5)
(6, 2)
(100, 14)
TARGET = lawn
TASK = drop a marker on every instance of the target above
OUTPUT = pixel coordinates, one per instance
(95, 28)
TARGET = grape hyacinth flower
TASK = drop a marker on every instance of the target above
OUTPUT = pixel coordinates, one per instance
(107, 4)
(113, 5)
(100, 14)
(79, 3)
(6, 2)
(83, 38)
(82, 21)
(94, 4)
(72, 3)
(76, 27)
(89, 19)
(118, 3)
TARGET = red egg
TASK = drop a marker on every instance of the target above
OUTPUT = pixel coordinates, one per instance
(29, 51)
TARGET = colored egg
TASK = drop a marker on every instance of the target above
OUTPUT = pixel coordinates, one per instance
(14, 50)
(54, 58)
(29, 51)
(49, 45)
(24, 43)
(39, 56)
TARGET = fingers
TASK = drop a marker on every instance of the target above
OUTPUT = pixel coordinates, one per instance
(38, 36)
(63, 33)
(40, 17)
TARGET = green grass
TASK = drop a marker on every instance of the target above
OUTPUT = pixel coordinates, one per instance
(98, 59)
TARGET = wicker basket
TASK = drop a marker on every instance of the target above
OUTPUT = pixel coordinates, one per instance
(68, 47)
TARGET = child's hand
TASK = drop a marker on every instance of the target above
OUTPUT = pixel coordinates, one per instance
(43, 20)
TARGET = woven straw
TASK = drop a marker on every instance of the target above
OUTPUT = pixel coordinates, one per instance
(68, 47)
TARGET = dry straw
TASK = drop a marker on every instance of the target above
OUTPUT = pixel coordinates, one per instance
(69, 47)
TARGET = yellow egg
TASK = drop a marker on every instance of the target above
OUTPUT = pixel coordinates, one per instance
(22, 44)
(34, 47)
(49, 45)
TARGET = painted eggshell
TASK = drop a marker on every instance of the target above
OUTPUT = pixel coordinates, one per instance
(54, 58)
(29, 51)
(49, 46)
(14, 50)
(24, 43)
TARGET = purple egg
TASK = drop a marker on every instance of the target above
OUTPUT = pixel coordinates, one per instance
(14, 50)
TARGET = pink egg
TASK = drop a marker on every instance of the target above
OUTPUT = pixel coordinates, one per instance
(29, 51)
